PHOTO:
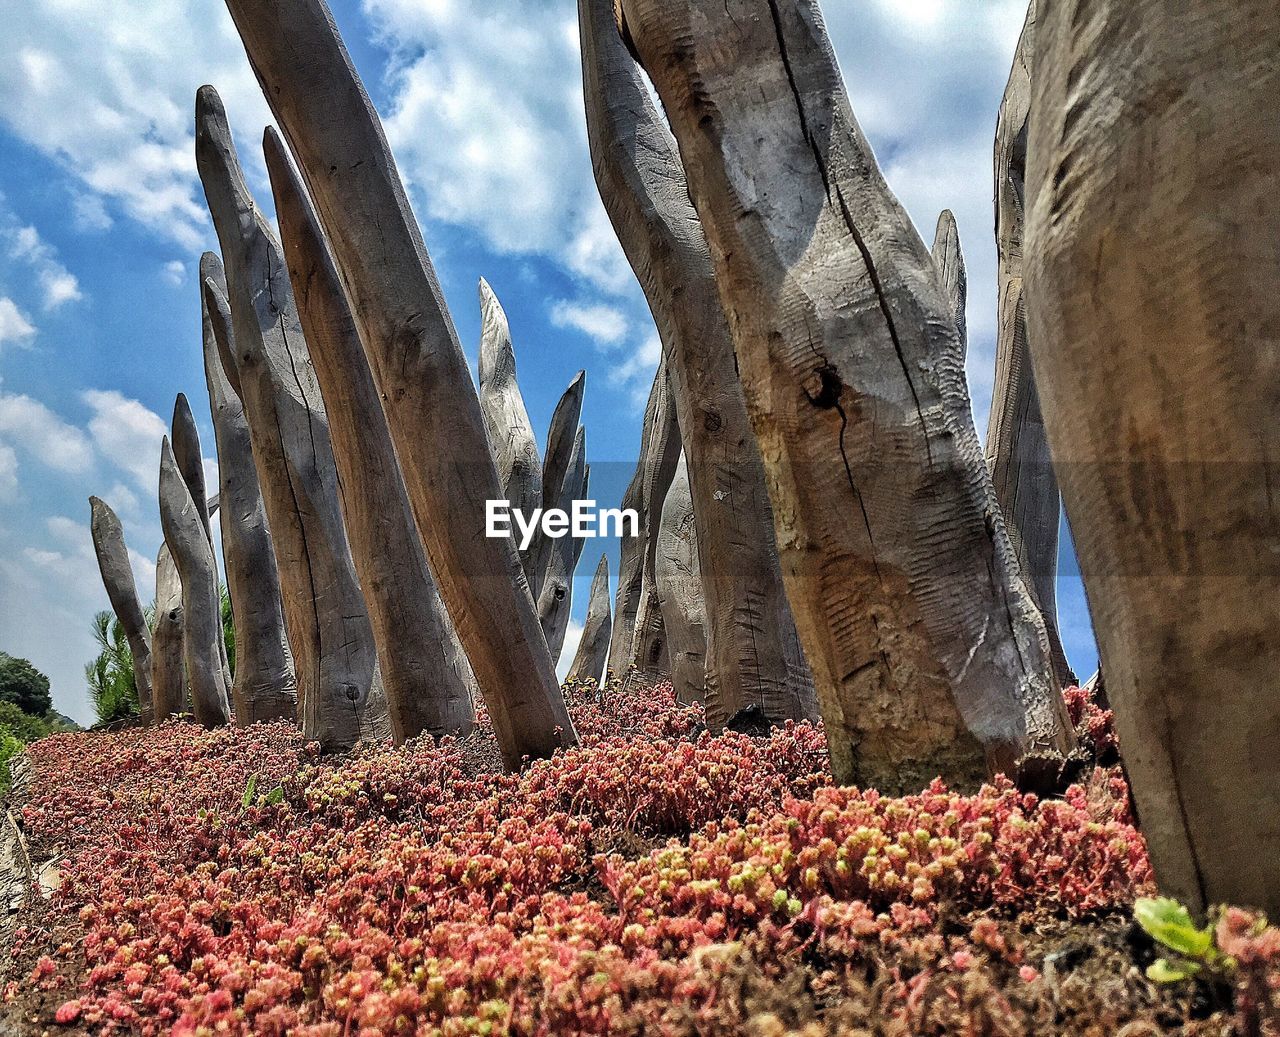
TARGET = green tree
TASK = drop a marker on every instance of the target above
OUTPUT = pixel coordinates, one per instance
(110, 675)
(10, 746)
(24, 686)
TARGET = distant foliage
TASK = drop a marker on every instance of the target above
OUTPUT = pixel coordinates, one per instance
(22, 685)
(110, 676)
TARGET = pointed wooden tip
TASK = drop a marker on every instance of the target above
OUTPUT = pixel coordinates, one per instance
(217, 162)
(220, 320)
(211, 269)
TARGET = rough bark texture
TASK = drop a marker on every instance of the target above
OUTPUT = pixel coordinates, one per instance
(555, 599)
(927, 651)
(593, 649)
(190, 459)
(117, 577)
(1153, 261)
(431, 405)
(660, 452)
(264, 687)
(680, 589)
(561, 437)
(168, 672)
(201, 614)
(1017, 447)
(753, 655)
(515, 448)
(949, 260)
(329, 629)
(631, 561)
(424, 670)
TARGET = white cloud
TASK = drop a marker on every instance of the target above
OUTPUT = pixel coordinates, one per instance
(30, 425)
(606, 324)
(175, 272)
(89, 213)
(14, 326)
(127, 434)
(107, 91)
(8, 469)
(57, 283)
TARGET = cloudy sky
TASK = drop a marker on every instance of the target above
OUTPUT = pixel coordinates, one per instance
(102, 222)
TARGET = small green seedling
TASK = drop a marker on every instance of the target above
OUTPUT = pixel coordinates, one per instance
(1170, 925)
(276, 795)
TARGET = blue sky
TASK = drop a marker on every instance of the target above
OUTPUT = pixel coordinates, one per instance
(102, 223)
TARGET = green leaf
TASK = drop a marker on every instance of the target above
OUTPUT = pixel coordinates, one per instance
(249, 792)
(1168, 922)
(276, 795)
(1164, 971)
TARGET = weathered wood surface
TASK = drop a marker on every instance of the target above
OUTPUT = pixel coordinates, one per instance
(1152, 263)
(1017, 447)
(431, 405)
(515, 448)
(117, 578)
(264, 686)
(561, 438)
(555, 598)
(168, 670)
(424, 671)
(593, 650)
(329, 629)
(927, 650)
(753, 654)
(660, 452)
(680, 589)
(949, 261)
(201, 614)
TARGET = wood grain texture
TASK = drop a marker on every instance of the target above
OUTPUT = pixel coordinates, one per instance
(593, 649)
(1017, 448)
(329, 629)
(424, 670)
(1152, 265)
(122, 591)
(555, 598)
(511, 438)
(431, 405)
(948, 258)
(753, 654)
(264, 685)
(201, 613)
(927, 651)
(561, 436)
(680, 589)
(168, 671)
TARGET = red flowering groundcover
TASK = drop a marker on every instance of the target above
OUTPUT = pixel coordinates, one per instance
(655, 880)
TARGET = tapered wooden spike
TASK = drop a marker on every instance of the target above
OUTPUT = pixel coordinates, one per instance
(679, 582)
(515, 448)
(264, 686)
(1017, 446)
(555, 465)
(593, 649)
(753, 654)
(340, 698)
(201, 613)
(555, 600)
(117, 578)
(949, 261)
(1152, 260)
(418, 364)
(927, 650)
(427, 679)
(168, 670)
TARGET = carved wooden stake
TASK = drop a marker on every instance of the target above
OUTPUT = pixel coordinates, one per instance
(561, 436)
(265, 687)
(1017, 447)
(949, 260)
(555, 599)
(753, 655)
(593, 649)
(329, 629)
(168, 672)
(515, 448)
(424, 671)
(679, 581)
(431, 405)
(201, 614)
(117, 577)
(927, 651)
(1152, 265)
